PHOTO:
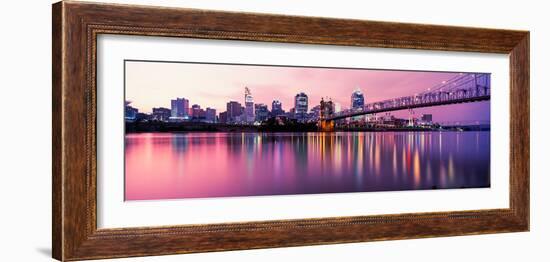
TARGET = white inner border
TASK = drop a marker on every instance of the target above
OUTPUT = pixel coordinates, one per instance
(113, 212)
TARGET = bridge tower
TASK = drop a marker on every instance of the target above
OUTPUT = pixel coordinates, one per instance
(326, 110)
(326, 125)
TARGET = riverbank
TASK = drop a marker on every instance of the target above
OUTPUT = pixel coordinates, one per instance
(142, 127)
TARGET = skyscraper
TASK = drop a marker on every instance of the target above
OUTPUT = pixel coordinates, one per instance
(357, 99)
(180, 108)
(210, 115)
(277, 108)
(336, 107)
(300, 106)
(248, 106)
(196, 111)
(234, 111)
(357, 103)
(261, 111)
(223, 117)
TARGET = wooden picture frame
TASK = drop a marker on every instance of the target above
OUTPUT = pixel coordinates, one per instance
(76, 26)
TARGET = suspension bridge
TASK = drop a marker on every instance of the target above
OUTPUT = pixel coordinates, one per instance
(462, 88)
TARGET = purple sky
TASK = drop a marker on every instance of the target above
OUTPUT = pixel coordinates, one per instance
(154, 84)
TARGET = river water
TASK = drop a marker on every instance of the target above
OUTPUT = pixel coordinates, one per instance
(199, 165)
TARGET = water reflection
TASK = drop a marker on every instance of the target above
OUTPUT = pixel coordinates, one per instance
(191, 165)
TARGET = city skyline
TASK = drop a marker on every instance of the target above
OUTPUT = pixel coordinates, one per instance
(350, 130)
(154, 84)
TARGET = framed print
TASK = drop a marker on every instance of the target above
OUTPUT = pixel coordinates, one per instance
(183, 130)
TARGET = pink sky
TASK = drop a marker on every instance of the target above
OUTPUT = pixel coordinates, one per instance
(154, 84)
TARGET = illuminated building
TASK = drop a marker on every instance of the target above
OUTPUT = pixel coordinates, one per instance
(248, 106)
(180, 108)
(300, 106)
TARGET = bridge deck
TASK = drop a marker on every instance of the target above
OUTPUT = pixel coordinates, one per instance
(411, 106)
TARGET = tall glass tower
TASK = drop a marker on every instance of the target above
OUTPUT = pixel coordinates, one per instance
(179, 108)
(277, 108)
(357, 99)
(300, 106)
(357, 103)
(248, 105)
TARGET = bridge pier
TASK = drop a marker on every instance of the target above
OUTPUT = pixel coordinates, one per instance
(326, 125)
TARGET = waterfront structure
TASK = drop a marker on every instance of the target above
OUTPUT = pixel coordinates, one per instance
(223, 117)
(326, 109)
(357, 103)
(426, 118)
(234, 111)
(195, 111)
(180, 108)
(300, 106)
(130, 113)
(290, 114)
(261, 111)
(336, 107)
(161, 114)
(142, 117)
(316, 111)
(210, 115)
(464, 88)
(249, 106)
(277, 108)
(357, 99)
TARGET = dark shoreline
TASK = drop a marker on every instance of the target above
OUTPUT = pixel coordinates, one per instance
(163, 127)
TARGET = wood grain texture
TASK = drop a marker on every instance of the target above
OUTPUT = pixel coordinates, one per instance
(76, 27)
(57, 191)
(519, 129)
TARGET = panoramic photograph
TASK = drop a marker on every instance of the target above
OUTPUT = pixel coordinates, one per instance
(204, 130)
